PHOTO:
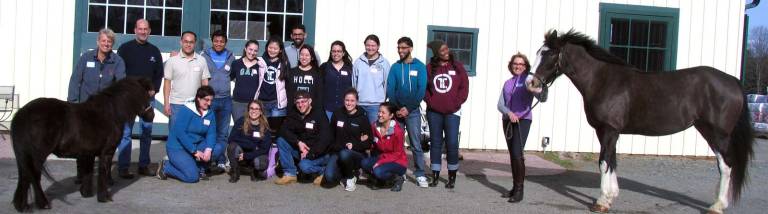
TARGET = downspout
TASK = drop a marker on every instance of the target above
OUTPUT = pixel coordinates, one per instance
(745, 40)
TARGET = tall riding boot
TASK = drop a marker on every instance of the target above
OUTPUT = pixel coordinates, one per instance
(451, 179)
(435, 178)
(235, 174)
(514, 172)
(517, 180)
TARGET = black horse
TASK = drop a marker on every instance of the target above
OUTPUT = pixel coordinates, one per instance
(83, 131)
(621, 99)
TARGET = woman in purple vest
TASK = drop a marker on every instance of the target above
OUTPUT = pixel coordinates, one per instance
(515, 107)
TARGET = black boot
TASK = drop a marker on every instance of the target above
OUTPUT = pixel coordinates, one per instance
(451, 179)
(234, 175)
(518, 178)
(435, 178)
(399, 180)
(258, 175)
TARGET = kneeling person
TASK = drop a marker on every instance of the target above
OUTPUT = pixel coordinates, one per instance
(249, 143)
(303, 136)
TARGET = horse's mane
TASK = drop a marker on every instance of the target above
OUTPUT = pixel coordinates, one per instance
(123, 99)
(577, 38)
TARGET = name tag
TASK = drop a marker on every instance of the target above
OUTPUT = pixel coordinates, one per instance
(340, 123)
(451, 72)
(195, 69)
(413, 73)
(344, 73)
(207, 122)
(256, 134)
(374, 70)
(226, 67)
(309, 125)
(90, 64)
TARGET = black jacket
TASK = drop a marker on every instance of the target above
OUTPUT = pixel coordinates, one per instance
(349, 128)
(252, 146)
(311, 129)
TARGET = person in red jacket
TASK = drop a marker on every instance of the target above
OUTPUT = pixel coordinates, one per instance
(388, 161)
(447, 89)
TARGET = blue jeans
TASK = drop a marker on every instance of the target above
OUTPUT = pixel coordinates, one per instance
(175, 108)
(384, 171)
(449, 124)
(288, 154)
(372, 111)
(238, 110)
(124, 149)
(222, 108)
(271, 109)
(412, 124)
(183, 166)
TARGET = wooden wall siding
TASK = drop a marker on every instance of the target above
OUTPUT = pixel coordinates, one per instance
(40, 38)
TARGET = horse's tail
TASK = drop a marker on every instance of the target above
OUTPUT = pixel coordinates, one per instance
(740, 151)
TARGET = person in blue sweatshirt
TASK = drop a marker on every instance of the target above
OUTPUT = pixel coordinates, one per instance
(249, 143)
(370, 72)
(191, 140)
(219, 61)
(406, 85)
(246, 73)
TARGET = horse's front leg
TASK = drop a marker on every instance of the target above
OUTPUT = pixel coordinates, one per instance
(102, 190)
(724, 190)
(85, 174)
(609, 185)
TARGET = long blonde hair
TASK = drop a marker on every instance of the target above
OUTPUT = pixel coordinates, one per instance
(263, 124)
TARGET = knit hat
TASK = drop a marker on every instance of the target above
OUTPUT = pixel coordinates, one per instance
(435, 46)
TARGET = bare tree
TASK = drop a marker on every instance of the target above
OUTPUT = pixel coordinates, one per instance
(756, 67)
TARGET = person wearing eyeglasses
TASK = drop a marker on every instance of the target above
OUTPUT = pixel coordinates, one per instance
(337, 77)
(515, 106)
(298, 37)
(249, 143)
(304, 137)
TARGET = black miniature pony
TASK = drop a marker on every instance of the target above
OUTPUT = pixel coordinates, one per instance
(83, 131)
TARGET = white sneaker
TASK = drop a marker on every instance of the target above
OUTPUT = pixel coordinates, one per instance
(351, 184)
(422, 181)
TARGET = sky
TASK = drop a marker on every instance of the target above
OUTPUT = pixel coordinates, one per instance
(758, 16)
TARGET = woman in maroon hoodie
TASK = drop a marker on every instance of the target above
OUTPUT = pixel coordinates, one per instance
(447, 89)
(387, 161)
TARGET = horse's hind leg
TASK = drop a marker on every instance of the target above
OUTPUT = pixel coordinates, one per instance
(22, 188)
(40, 199)
(609, 185)
(85, 172)
(714, 139)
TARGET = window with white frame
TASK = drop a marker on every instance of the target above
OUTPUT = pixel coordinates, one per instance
(256, 19)
(164, 16)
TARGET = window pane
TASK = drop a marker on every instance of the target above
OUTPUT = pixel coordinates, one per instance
(98, 1)
(219, 4)
(658, 35)
(619, 52)
(133, 15)
(154, 2)
(637, 57)
(275, 25)
(656, 60)
(116, 19)
(619, 31)
(155, 18)
(453, 40)
(172, 22)
(96, 19)
(466, 41)
(237, 4)
(256, 25)
(639, 33)
(257, 5)
(136, 2)
(218, 21)
(440, 35)
(275, 5)
(173, 3)
(291, 21)
(117, 1)
(236, 25)
(294, 6)
(463, 56)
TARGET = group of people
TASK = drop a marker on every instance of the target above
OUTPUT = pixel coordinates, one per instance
(328, 121)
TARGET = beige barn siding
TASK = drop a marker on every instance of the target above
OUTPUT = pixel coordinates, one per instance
(39, 39)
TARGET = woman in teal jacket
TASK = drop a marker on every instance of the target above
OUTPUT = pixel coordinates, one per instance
(191, 141)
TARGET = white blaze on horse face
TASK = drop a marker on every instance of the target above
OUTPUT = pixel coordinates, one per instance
(536, 63)
(609, 186)
(724, 190)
